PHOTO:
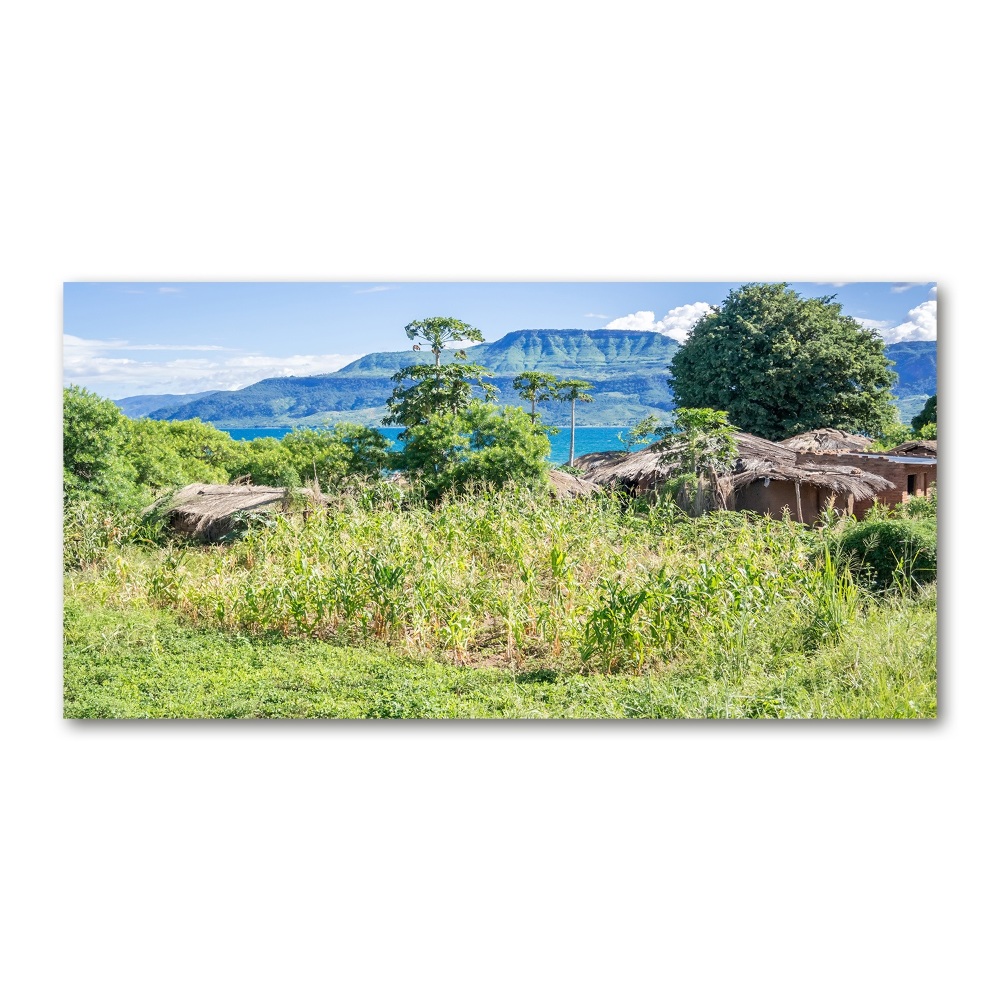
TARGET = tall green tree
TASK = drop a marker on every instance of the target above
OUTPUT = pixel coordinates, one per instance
(439, 331)
(177, 452)
(573, 390)
(780, 364)
(700, 441)
(535, 387)
(96, 463)
(482, 444)
(446, 388)
(928, 415)
(333, 454)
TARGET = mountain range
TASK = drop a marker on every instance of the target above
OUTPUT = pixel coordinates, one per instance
(628, 369)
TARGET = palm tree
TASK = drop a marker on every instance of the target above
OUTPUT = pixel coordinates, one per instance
(573, 389)
(536, 387)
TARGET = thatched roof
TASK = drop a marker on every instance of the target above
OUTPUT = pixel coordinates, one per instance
(757, 449)
(565, 484)
(209, 511)
(758, 459)
(919, 449)
(649, 466)
(845, 479)
(827, 439)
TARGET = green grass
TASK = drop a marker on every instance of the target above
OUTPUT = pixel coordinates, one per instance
(141, 662)
(500, 604)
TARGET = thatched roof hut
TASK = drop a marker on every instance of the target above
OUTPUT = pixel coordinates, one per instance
(827, 439)
(208, 512)
(760, 464)
(565, 484)
(843, 479)
(918, 449)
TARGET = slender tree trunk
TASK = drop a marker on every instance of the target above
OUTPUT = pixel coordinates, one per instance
(572, 428)
(532, 409)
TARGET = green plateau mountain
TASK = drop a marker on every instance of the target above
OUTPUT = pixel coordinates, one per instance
(628, 369)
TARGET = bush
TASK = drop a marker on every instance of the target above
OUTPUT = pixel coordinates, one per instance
(96, 466)
(483, 445)
(892, 552)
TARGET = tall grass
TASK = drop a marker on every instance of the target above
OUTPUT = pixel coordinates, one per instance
(510, 578)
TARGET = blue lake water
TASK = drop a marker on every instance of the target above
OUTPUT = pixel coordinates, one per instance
(588, 439)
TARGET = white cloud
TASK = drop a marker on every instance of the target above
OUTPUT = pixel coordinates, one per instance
(374, 288)
(920, 324)
(105, 367)
(81, 345)
(677, 323)
(881, 325)
(168, 290)
(897, 289)
(595, 316)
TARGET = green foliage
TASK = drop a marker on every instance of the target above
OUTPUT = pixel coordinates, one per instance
(96, 463)
(889, 552)
(780, 364)
(267, 462)
(334, 454)
(925, 506)
(573, 391)
(439, 331)
(482, 445)
(893, 436)
(519, 606)
(434, 390)
(136, 662)
(927, 416)
(536, 387)
(700, 440)
(173, 453)
(641, 432)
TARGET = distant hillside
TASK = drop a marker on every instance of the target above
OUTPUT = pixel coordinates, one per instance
(628, 369)
(140, 406)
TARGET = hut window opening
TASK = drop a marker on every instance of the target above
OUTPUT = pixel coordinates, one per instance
(911, 485)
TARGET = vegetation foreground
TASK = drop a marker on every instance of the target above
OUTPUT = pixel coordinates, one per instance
(507, 604)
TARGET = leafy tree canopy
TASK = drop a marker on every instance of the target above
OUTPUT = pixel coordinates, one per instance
(780, 364)
(482, 444)
(439, 331)
(95, 454)
(701, 440)
(446, 388)
(928, 415)
(334, 454)
(573, 390)
(536, 387)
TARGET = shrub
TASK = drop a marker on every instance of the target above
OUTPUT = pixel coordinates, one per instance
(893, 551)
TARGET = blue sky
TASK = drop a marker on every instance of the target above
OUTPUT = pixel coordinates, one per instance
(125, 339)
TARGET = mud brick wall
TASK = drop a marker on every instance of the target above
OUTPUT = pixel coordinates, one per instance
(925, 475)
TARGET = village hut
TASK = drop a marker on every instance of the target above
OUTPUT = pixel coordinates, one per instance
(565, 485)
(209, 512)
(918, 449)
(767, 478)
(826, 440)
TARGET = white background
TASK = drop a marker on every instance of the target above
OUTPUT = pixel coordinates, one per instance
(437, 141)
